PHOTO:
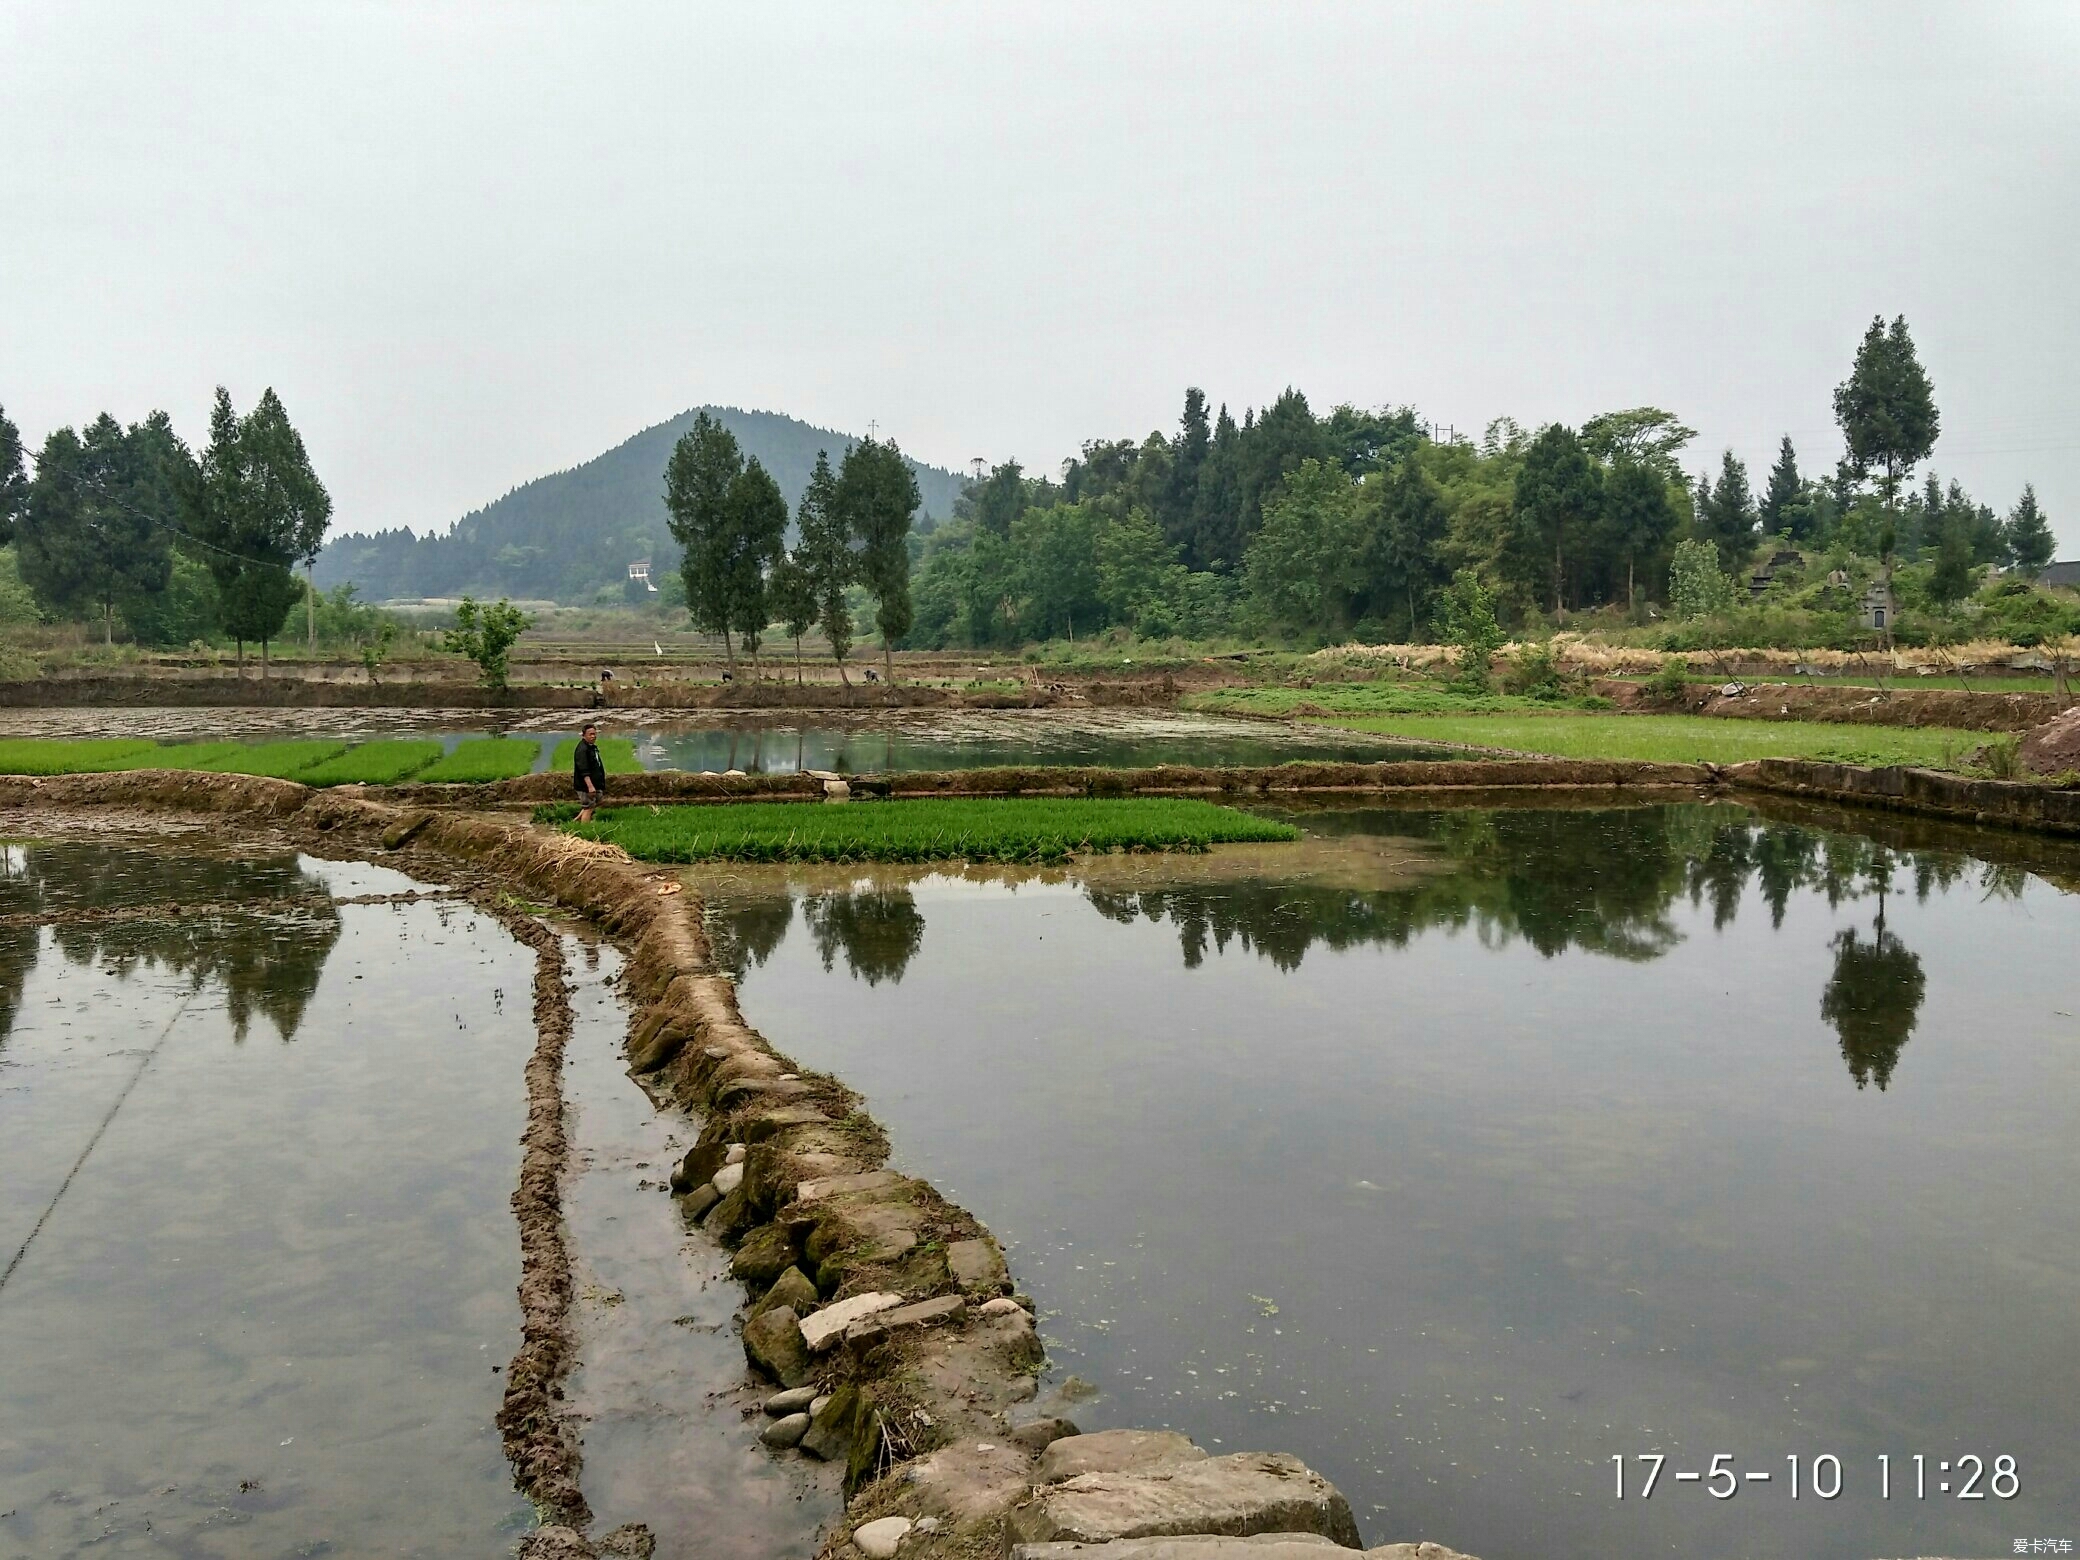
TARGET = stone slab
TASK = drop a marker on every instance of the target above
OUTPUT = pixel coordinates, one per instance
(838, 1185)
(1235, 1496)
(977, 1265)
(1115, 1451)
(823, 1328)
(945, 1308)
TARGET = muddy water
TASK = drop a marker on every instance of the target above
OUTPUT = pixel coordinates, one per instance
(670, 1429)
(256, 1148)
(1671, 1131)
(757, 744)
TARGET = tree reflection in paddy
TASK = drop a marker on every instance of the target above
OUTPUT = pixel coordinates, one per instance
(1600, 881)
(262, 927)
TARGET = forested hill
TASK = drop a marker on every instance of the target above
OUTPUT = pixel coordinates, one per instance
(570, 536)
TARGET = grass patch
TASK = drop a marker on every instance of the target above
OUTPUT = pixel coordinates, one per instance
(58, 756)
(617, 753)
(1684, 738)
(1018, 828)
(483, 759)
(383, 762)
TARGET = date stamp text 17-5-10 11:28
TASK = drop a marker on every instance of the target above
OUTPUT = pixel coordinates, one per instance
(1967, 1477)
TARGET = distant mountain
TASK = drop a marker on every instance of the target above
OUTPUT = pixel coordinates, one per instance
(571, 537)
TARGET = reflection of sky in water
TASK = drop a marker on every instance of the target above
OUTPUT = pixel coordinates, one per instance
(1665, 1130)
(262, 1318)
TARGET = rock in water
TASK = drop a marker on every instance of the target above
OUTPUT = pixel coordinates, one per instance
(795, 1400)
(786, 1432)
(1248, 1493)
(773, 1344)
(878, 1540)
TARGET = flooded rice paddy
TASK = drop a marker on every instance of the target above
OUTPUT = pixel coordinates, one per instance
(759, 745)
(255, 1153)
(257, 1146)
(1471, 1150)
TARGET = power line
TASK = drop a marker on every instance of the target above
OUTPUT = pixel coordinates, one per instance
(152, 519)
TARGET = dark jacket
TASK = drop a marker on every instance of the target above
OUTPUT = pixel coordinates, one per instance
(585, 764)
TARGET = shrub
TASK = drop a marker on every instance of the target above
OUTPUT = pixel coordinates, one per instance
(1466, 618)
(1696, 587)
(1670, 682)
(486, 634)
(1534, 673)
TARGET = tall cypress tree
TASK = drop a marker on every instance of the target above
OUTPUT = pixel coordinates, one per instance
(1177, 511)
(258, 510)
(697, 481)
(1638, 520)
(2028, 534)
(756, 519)
(877, 496)
(1217, 538)
(1780, 499)
(1726, 517)
(824, 550)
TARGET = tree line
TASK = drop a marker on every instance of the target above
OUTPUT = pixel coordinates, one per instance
(852, 529)
(129, 522)
(1356, 523)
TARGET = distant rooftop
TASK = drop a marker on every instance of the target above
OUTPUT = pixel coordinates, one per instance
(2067, 574)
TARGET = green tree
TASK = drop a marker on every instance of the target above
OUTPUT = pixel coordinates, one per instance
(14, 483)
(485, 634)
(1780, 509)
(697, 480)
(1643, 436)
(1401, 556)
(794, 600)
(1951, 579)
(1466, 618)
(877, 495)
(1302, 569)
(1558, 498)
(94, 531)
(1218, 539)
(1887, 407)
(257, 510)
(2028, 534)
(1272, 448)
(824, 548)
(1696, 585)
(755, 518)
(1179, 507)
(1638, 518)
(1000, 498)
(1725, 514)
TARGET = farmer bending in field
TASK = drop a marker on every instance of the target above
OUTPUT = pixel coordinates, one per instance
(588, 773)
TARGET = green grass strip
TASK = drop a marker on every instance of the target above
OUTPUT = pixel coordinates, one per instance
(483, 759)
(58, 756)
(1696, 739)
(971, 829)
(617, 753)
(382, 762)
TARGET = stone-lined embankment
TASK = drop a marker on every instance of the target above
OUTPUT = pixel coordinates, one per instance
(889, 1307)
(2006, 804)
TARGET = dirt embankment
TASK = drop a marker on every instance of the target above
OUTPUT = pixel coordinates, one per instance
(2005, 804)
(1858, 706)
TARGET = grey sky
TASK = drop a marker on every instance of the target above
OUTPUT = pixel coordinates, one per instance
(472, 244)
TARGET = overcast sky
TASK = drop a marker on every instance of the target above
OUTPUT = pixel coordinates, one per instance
(472, 244)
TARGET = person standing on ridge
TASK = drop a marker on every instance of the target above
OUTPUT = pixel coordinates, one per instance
(588, 772)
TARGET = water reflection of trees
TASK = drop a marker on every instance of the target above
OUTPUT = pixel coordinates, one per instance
(878, 930)
(261, 927)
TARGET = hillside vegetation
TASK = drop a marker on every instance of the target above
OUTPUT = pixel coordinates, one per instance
(570, 537)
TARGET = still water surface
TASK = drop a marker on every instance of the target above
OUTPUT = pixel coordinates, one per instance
(1528, 1139)
(261, 1312)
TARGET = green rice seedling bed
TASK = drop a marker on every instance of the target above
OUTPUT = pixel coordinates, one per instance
(483, 759)
(617, 753)
(968, 828)
(59, 756)
(382, 762)
(274, 760)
